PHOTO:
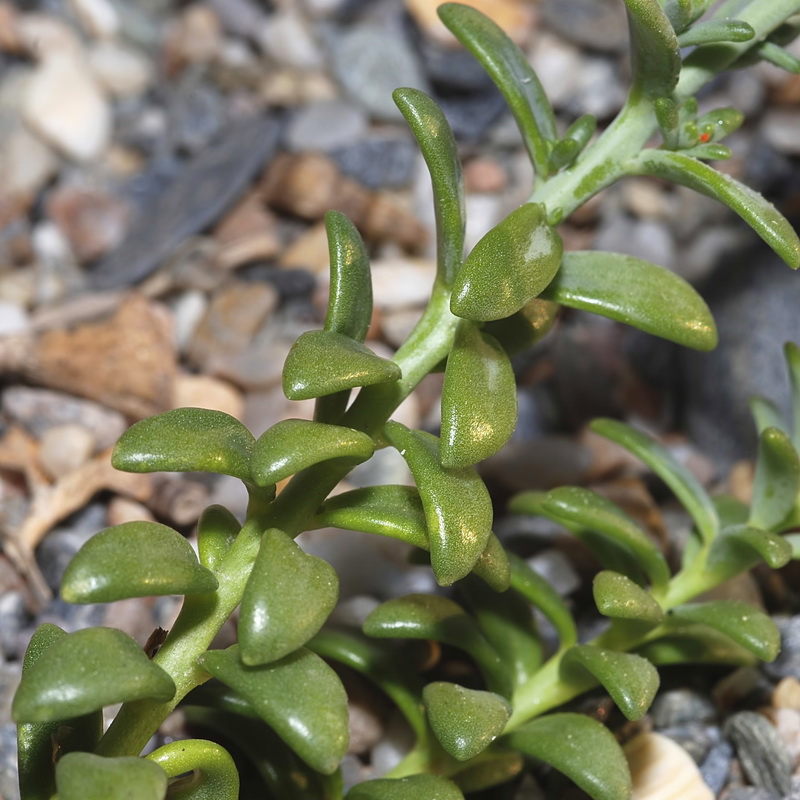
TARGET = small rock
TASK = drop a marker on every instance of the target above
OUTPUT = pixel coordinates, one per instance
(558, 65)
(694, 737)
(751, 793)
(195, 39)
(121, 70)
(389, 752)
(396, 326)
(556, 569)
(8, 761)
(196, 113)
(325, 126)
(717, 766)
(97, 17)
(26, 162)
(308, 251)
(648, 239)
(180, 499)
(123, 509)
(13, 319)
(378, 160)
(402, 282)
(787, 694)
(761, 750)
(238, 17)
(681, 707)
(485, 176)
(46, 37)
(366, 727)
(595, 24)
(286, 37)
(779, 127)
(203, 391)
(187, 311)
(787, 723)
(472, 115)
(64, 448)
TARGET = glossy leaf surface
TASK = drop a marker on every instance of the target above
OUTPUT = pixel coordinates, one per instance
(458, 509)
(421, 616)
(186, 440)
(774, 54)
(216, 530)
(593, 512)
(394, 511)
(636, 292)
(350, 299)
(288, 597)
(696, 644)
(512, 73)
(575, 140)
(792, 353)
(762, 216)
(632, 681)
(746, 625)
(300, 697)
(294, 444)
(713, 31)
(86, 671)
(84, 776)
(488, 771)
(519, 331)
(440, 151)
(493, 565)
(508, 267)
(777, 480)
(135, 559)
(479, 399)
(324, 362)
(215, 775)
(740, 547)
(655, 55)
(618, 597)
(465, 721)
(684, 485)
(580, 747)
(414, 787)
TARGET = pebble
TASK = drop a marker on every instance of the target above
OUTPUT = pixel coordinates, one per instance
(716, 767)
(399, 283)
(196, 38)
(13, 319)
(26, 162)
(325, 126)
(196, 113)
(203, 391)
(64, 448)
(98, 17)
(681, 707)
(787, 694)
(594, 24)
(14, 616)
(286, 37)
(121, 70)
(558, 65)
(123, 509)
(187, 311)
(761, 750)
(644, 238)
(484, 175)
(779, 129)
(694, 737)
(390, 750)
(557, 570)
(378, 160)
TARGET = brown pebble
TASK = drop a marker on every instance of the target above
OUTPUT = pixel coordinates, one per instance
(787, 694)
(484, 176)
(204, 391)
(308, 251)
(123, 509)
(64, 448)
(740, 481)
(179, 500)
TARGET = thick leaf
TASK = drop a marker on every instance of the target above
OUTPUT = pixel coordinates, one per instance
(493, 566)
(523, 329)
(423, 616)
(324, 362)
(635, 292)
(580, 747)
(457, 505)
(508, 267)
(591, 511)
(488, 771)
(618, 597)
(300, 697)
(394, 511)
(655, 55)
(719, 123)
(135, 559)
(709, 152)
(38, 742)
(767, 415)
(186, 440)
(465, 721)
(86, 671)
(776, 55)
(762, 216)
(215, 775)
(479, 399)
(696, 644)
(294, 444)
(216, 530)
(288, 597)
(714, 31)
(575, 140)
(414, 787)
(680, 13)
(793, 539)
(632, 681)
(534, 588)
(777, 480)
(350, 299)
(84, 776)
(435, 140)
(746, 625)
(740, 547)
(792, 353)
(510, 70)
(685, 486)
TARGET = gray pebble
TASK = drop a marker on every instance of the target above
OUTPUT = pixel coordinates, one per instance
(13, 318)
(379, 161)
(325, 126)
(716, 767)
(8, 762)
(794, 793)
(762, 752)
(787, 664)
(694, 737)
(681, 707)
(751, 793)
(13, 619)
(596, 24)
(196, 113)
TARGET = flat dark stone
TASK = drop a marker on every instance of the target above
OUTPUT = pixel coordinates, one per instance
(196, 197)
(764, 757)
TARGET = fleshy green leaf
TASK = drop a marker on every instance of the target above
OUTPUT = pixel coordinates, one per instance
(762, 216)
(510, 70)
(538, 591)
(414, 787)
(294, 444)
(488, 771)
(720, 122)
(767, 415)
(465, 721)
(423, 616)
(714, 31)
(793, 540)
(350, 299)
(134, 559)
(37, 742)
(746, 625)
(686, 487)
(479, 399)
(508, 267)
(394, 511)
(655, 55)
(324, 362)
(740, 547)
(435, 140)
(186, 440)
(300, 697)
(777, 480)
(792, 353)
(86, 671)
(681, 13)
(580, 747)
(288, 597)
(777, 55)
(709, 152)
(575, 140)
(84, 776)
(493, 566)
(523, 329)
(457, 505)
(635, 292)
(696, 644)
(632, 681)
(216, 530)
(593, 512)
(215, 775)
(618, 597)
